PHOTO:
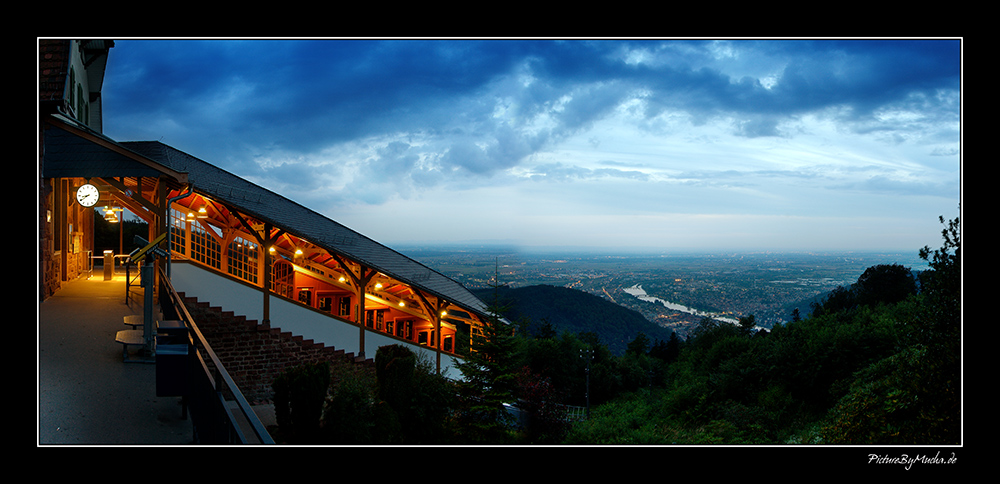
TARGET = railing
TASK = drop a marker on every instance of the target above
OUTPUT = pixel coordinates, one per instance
(220, 413)
(575, 413)
(130, 281)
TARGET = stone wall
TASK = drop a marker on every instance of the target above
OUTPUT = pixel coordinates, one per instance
(253, 353)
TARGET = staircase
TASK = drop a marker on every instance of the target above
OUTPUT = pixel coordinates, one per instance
(255, 353)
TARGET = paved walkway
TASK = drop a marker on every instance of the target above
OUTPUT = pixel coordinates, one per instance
(86, 394)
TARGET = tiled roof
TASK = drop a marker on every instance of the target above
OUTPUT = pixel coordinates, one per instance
(318, 229)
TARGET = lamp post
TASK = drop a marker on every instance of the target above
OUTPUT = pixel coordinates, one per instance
(588, 355)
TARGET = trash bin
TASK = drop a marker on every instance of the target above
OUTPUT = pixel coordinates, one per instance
(172, 358)
(109, 265)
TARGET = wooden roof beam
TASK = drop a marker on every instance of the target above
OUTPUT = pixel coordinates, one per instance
(135, 196)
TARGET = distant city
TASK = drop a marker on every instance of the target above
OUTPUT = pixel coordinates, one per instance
(672, 290)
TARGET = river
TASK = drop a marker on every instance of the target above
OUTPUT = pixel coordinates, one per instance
(640, 293)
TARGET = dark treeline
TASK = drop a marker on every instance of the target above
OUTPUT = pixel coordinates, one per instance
(118, 237)
(542, 309)
(877, 362)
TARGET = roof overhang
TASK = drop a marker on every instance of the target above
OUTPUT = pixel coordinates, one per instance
(73, 150)
(266, 206)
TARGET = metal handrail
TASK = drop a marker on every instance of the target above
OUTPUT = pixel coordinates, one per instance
(219, 378)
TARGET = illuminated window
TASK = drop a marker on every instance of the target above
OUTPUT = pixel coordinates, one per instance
(345, 307)
(282, 278)
(177, 232)
(204, 247)
(324, 303)
(404, 329)
(242, 259)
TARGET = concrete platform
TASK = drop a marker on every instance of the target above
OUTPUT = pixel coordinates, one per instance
(86, 394)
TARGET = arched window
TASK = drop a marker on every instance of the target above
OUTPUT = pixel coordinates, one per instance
(204, 247)
(282, 278)
(178, 232)
(242, 260)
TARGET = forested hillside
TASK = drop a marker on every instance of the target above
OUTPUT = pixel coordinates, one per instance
(565, 309)
(876, 362)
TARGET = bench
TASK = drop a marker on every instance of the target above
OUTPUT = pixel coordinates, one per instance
(129, 337)
(134, 320)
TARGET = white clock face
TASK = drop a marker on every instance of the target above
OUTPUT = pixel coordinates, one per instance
(88, 195)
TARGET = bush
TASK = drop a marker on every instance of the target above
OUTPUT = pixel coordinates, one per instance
(415, 401)
(394, 367)
(541, 402)
(632, 418)
(299, 395)
(350, 414)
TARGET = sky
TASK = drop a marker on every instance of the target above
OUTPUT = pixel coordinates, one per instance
(610, 144)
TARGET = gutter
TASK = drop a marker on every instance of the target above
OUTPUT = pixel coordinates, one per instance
(170, 233)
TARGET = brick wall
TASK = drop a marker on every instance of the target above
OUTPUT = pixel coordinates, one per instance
(253, 353)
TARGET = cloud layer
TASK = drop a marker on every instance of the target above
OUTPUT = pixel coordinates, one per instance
(536, 134)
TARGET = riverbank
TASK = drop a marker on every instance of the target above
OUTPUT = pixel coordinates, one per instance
(638, 292)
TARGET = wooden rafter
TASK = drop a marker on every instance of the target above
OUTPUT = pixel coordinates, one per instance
(133, 196)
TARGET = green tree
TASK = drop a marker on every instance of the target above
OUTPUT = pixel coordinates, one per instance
(433, 403)
(942, 286)
(115, 236)
(839, 299)
(414, 400)
(299, 396)
(639, 345)
(666, 351)
(350, 416)
(914, 395)
(879, 284)
(487, 380)
(394, 371)
(542, 403)
(884, 284)
(545, 330)
(605, 375)
(747, 323)
(394, 368)
(673, 348)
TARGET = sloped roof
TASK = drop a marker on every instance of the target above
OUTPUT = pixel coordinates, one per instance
(72, 149)
(318, 229)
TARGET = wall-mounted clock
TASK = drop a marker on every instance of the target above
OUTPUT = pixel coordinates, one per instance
(88, 195)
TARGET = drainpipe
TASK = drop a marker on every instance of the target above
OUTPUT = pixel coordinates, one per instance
(170, 233)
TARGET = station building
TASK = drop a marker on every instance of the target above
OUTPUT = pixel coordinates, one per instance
(233, 243)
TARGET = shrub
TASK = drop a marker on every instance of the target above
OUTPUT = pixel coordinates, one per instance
(299, 394)
(350, 415)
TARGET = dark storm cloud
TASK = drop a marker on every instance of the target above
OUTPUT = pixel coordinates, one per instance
(303, 95)
(702, 127)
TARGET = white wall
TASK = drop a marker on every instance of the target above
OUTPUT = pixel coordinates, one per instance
(288, 316)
